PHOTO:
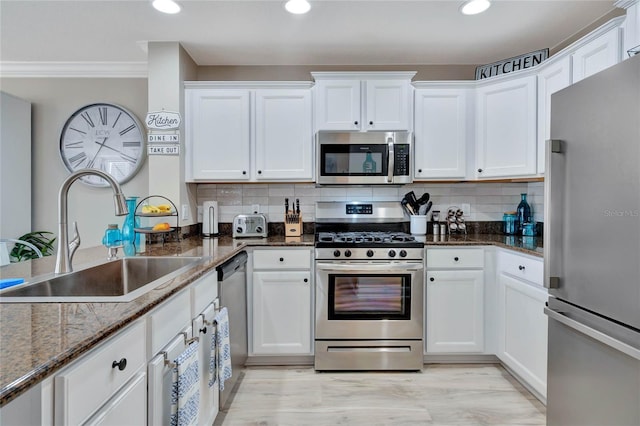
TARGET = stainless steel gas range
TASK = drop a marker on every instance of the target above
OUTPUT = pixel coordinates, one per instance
(369, 288)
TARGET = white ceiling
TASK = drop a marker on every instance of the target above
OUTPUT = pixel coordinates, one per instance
(238, 32)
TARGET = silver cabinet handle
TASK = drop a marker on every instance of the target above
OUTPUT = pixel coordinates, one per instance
(594, 334)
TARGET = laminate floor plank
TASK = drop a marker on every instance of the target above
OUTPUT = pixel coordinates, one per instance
(456, 394)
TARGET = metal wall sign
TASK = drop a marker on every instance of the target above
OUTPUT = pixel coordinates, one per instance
(163, 120)
(163, 149)
(516, 63)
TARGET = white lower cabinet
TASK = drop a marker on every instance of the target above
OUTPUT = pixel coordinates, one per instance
(522, 334)
(92, 386)
(124, 408)
(454, 300)
(282, 313)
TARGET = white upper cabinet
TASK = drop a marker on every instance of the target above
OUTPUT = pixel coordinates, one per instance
(506, 128)
(249, 134)
(284, 135)
(441, 127)
(599, 53)
(552, 77)
(363, 101)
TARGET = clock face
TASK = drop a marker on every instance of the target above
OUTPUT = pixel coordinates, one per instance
(106, 137)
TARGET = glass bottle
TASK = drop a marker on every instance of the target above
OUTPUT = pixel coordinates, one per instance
(369, 164)
(523, 212)
(112, 236)
(129, 236)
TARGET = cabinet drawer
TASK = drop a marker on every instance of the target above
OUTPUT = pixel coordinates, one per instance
(282, 259)
(203, 292)
(168, 320)
(92, 380)
(455, 258)
(522, 267)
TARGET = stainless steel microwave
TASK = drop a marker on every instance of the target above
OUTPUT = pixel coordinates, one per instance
(364, 158)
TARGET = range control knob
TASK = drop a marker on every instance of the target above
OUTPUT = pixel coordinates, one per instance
(239, 230)
(403, 253)
(347, 253)
(392, 253)
(369, 253)
(258, 229)
(336, 253)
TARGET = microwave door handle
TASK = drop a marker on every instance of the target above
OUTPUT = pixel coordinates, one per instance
(391, 160)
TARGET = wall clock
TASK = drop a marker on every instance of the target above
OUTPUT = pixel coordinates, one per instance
(103, 136)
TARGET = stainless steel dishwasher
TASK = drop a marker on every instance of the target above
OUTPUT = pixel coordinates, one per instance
(232, 291)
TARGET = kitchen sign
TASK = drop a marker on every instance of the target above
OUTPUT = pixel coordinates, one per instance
(163, 149)
(163, 138)
(516, 63)
(163, 120)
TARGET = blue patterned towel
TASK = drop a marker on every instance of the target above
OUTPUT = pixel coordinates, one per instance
(185, 392)
(220, 367)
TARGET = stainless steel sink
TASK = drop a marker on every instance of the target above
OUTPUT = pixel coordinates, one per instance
(121, 280)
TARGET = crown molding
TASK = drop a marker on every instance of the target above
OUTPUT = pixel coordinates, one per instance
(248, 84)
(625, 4)
(19, 69)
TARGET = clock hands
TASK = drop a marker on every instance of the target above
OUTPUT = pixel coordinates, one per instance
(90, 163)
(122, 154)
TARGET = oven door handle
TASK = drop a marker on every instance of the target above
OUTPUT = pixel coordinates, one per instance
(369, 267)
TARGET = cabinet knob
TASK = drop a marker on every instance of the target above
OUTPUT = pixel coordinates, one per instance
(244, 172)
(432, 279)
(203, 330)
(371, 123)
(419, 170)
(455, 259)
(521, 267)
(259, 172)
(306, 280)
(122, 364)
(355, 122)
(479, 170)
(282, 259)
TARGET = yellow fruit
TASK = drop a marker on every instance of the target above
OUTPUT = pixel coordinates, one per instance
(163, 226)
(164, 207)
(150, 209)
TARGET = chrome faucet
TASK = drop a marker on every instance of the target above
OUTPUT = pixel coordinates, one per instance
(67, 249)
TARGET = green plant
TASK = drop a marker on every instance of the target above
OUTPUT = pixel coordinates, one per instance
(39, 239)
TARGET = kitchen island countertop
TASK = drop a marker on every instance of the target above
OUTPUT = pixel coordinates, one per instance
(38, 339)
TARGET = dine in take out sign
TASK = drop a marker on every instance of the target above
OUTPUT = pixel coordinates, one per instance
(164, 133)
(517, 63)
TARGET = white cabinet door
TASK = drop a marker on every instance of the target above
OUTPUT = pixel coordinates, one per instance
(124, 409)
(596, 55)
(440, 133)
(388, 105)
(209, 395)
(218, 134)
(284, 135)
(337, 105)
(551, 78)
(506, 128)
(523, 331)
(282, 312)
(455, 311)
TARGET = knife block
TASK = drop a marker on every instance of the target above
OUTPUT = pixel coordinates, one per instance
(293, 225)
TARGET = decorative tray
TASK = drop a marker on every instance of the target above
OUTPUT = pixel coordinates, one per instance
(149, 230)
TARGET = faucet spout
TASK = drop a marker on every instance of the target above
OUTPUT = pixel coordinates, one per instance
(66, 249)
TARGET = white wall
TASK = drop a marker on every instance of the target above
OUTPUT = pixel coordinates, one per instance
(53, 101)
(15, 166)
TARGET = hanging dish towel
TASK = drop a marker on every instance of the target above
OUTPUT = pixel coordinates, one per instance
(185, 392)
(220, 367)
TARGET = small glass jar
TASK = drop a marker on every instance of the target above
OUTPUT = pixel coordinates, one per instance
(112, 236)
(529, 229)
(509, 223)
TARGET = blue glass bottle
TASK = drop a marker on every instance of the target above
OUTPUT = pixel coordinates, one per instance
(523, 213)
(129, 236)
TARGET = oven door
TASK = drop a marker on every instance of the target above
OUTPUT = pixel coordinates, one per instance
(369, 300)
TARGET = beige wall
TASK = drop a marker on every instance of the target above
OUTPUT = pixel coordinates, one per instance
(53, 101)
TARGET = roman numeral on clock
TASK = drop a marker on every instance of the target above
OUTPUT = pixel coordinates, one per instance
(87, 118)
(103, 115)
(117, 118)
(77, 159)
(135, 144)
(127, 130)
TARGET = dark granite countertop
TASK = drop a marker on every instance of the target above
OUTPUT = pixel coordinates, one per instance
(37, 339)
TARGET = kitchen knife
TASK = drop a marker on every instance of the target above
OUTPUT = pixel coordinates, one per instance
(297, 206)
(286, 206)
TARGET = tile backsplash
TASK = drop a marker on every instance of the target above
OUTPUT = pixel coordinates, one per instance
(485, 201)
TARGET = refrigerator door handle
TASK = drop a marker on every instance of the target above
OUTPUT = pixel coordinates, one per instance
(553, 211)
(594, 334)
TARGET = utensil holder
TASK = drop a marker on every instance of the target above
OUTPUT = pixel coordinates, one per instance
(418, 224)
(293, 225)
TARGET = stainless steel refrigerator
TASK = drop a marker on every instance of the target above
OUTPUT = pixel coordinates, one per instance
(592, 250)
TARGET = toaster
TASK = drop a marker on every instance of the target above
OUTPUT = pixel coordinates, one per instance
(250, 225)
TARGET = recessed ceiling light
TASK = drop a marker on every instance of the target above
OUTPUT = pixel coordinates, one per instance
(297, 7)
(166, 6)
(473, 7)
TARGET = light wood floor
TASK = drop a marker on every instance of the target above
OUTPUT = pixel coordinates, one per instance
(483, 394)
